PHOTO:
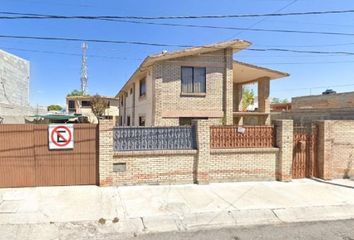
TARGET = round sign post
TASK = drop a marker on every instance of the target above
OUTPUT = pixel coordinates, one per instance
(61, 136)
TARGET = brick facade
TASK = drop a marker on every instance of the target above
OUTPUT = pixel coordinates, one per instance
(170, 103)
(284, 141)
(330, 101)
(200, 166)
(336, 149)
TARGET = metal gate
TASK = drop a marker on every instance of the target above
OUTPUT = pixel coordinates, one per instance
(26, 161)
(305, 151)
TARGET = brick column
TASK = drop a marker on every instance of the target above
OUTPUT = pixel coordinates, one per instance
(263, 98)
(228, 87)
(157, 72)
(105, 151)
(284, 141)
(201, 167)
(237, 101)
(324, 158)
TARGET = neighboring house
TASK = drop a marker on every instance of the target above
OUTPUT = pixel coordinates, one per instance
(280, 107)
(82, 105)
(172, 88)
(328, 106)
(14, 89)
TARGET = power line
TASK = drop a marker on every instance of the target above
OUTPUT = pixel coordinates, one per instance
(264, 18)
(316, 87)
(140, 59)
(33, 15)
(169, 45)
(191, 25)
(302, 63)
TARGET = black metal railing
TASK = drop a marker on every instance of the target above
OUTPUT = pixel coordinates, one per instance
(154, 138)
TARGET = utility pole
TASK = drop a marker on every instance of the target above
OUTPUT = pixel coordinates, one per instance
(84, 76)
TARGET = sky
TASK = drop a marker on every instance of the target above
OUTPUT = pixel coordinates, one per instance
(55, 65)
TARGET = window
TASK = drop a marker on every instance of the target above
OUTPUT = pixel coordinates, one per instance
(128, 121)
(131, 91)
(121, 101)
(86, 104)
(187, 121)
(141, 121)
(71, 104)
(142, 87)
(193, 79)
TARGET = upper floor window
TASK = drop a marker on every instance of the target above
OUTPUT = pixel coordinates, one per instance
(193, 79)
(86, 104)
(142, 87)
(71, 104)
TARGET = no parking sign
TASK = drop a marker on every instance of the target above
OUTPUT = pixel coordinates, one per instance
(61, 136)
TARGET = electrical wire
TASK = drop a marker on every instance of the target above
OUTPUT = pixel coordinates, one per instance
(168, 45)
(35, 15)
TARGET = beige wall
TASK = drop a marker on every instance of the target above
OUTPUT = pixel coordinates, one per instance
(243, 164)
(113, 109)
(336, 149)
(170, 105)
(202, 165)
(331, 101)
(134, 105)
(163, 103)
(143, 105)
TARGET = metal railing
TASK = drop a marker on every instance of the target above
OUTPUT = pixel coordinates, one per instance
(153, 138)
(227, 137)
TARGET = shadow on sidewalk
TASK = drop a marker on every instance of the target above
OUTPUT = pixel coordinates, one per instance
(332, 183)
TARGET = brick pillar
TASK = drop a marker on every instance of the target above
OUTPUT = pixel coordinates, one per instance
(157, 96)
(105, 151)
(237, 101)
(201, 170)
(228, 87)
(324, 158)
(284, 141)
(263, 98)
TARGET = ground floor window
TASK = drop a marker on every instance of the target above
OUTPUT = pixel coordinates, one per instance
(142, 121)
(187, 121)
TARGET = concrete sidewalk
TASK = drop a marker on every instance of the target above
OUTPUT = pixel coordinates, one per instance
(59, 212)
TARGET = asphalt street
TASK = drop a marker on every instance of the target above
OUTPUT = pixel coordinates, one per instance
(331, 230)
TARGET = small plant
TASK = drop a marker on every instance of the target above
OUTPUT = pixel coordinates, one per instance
(247, 98)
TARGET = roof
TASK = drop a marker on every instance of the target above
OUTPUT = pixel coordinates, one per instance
(246, 73)
(88, 97)
(236, 45)
(56, 116)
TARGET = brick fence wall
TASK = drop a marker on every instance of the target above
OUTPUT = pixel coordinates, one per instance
(201, 166)
(336, 149)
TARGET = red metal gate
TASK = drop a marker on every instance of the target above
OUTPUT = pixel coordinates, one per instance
(305, 152)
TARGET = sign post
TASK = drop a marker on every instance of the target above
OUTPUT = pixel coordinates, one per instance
(61, 136)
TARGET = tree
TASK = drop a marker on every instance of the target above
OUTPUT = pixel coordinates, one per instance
(54, 107)
(98, 106)
(278, 100)
(75, 93)
(247, 98)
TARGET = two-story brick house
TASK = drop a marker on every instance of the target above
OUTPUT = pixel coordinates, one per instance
(172, 88)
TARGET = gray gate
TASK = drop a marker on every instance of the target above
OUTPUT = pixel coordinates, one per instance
(154, 138)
